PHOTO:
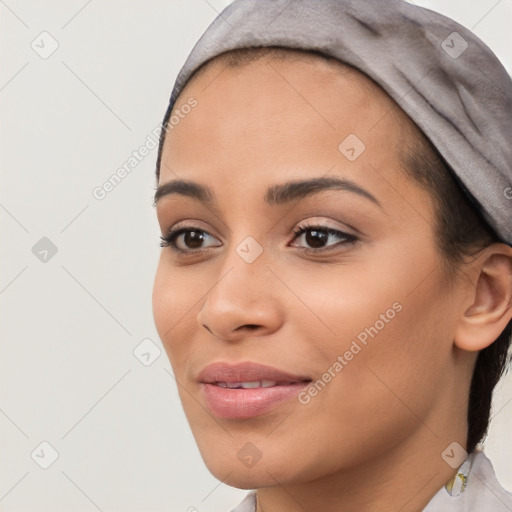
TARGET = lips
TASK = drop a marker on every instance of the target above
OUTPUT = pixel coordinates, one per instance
(247, 372)
(249, 384)
(244, 390)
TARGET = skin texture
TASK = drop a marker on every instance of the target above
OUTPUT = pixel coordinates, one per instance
(403, 398)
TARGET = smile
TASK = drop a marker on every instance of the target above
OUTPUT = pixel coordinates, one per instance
(249, 389)
(252, 384)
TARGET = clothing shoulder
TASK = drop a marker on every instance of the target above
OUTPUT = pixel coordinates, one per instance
(248, 504)
(481, 491)
(490, 492)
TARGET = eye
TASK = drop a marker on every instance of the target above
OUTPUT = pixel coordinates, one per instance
(186, 239)
(317, 237)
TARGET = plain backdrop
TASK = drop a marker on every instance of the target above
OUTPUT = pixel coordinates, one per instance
(77, 272)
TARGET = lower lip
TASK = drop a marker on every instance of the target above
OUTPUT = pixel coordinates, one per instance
(246, 403)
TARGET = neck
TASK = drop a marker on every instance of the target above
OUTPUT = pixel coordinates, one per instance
(403, 478)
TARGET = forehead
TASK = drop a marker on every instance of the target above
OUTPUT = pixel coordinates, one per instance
(287, 89)
(323, 70)
(270, 122)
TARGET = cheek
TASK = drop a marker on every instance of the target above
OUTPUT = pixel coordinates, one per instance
(391, 316)
(173, 302)
(393, 331)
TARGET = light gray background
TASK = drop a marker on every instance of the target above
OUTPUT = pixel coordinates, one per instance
(69, 326)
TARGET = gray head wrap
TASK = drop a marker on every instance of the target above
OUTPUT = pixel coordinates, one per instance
(442, 75)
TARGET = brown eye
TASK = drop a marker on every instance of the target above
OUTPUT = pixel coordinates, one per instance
(317, 237)
(186, 239)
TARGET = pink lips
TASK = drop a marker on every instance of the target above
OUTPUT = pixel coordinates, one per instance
(244, 390)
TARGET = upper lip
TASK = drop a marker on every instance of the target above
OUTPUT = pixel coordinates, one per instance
(246, 372)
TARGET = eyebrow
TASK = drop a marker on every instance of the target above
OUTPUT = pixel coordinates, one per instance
(275, 195)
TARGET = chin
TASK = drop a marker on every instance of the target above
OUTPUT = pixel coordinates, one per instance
(235, 475)
(229, 467)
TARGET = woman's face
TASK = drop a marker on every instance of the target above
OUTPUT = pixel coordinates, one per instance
(359, 319)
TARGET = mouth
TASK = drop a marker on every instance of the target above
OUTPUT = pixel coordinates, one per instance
(253, 384)
(246, 390)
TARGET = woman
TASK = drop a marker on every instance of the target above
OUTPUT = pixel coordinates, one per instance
(334, 290)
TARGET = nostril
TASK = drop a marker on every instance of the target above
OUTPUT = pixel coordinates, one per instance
(247, 326)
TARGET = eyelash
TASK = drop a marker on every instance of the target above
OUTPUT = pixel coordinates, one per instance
(169, 240)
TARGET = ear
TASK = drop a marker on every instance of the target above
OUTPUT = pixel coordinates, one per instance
(486, 318)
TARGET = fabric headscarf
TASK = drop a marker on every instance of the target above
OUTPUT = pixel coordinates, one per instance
(441, 74)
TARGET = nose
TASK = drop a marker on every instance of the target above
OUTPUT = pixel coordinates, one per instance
(243, 302)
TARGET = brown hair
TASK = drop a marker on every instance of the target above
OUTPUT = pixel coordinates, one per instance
(461, 230)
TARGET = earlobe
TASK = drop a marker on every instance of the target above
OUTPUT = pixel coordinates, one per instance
(486, 318)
